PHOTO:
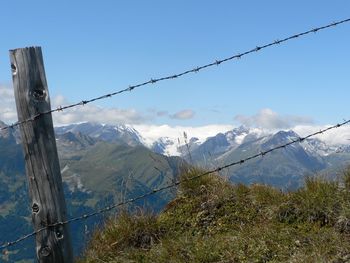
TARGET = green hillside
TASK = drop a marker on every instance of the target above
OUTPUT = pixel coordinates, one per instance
(212, 220)
(95, 174)
(118, 172)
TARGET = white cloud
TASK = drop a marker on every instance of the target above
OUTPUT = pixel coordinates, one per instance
(94, 113)
(59, 100)
(183, 115)
(8, 111)
(153, 132)
(89, 112)
(303, 125)
(268, 119)
(339, 135)
(265, 118)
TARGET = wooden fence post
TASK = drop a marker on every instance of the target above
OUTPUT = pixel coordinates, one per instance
(53, 245)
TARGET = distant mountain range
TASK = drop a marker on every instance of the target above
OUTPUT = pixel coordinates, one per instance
(284, 169)
(103, 164)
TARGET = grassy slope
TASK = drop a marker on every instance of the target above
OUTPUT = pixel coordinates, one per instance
(214, 221)
(104, 166)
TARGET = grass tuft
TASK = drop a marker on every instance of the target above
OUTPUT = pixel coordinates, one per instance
(212, 220)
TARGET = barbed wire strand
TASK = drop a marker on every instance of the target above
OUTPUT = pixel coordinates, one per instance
(154, 191)
(174, 76)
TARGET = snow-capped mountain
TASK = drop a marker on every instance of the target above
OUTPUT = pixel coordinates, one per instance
(105, 132)
(218, 146)
(174, 146)
(278, 168)
(219, 143)
(165, 145)
(316, 146)
(285, 168)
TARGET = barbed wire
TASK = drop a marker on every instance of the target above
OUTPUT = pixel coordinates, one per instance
(157, 190)
(174, 76)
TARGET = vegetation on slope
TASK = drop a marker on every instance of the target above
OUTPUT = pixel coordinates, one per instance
(212, 220)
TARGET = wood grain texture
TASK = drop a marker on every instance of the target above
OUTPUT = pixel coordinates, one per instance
(41, 159)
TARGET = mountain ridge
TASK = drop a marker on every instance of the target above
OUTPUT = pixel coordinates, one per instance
(130, 135)
(294, 162)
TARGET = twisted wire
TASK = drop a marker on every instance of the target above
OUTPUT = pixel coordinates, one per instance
(157, 190)
(174, 76)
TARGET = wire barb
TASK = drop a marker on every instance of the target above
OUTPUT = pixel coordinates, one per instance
(194, 70)
(157, 190)
(152, 81)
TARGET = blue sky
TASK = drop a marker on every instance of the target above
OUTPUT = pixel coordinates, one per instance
(95, 47)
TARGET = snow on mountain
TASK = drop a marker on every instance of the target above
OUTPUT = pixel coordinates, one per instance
(316, 146)
(279, 138)
(236, 136)
(165, 145)
(312, 146)
(279, 168)
(218, 143)
(110, 133)
(223, 143)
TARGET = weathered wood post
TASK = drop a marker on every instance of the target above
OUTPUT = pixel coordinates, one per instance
(53, 245)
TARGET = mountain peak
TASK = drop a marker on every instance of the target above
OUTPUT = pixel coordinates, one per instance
(105, 132)
(279, 138)
(287, 134)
